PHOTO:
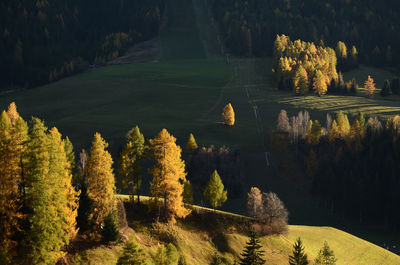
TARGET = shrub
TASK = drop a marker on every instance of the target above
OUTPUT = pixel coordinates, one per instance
(164, 233)
(110, 230)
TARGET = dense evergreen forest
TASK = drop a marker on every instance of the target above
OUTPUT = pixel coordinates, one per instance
(42, 41)
(250, 27)
(352, 167)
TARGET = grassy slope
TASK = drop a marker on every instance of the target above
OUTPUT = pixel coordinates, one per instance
(199, 245)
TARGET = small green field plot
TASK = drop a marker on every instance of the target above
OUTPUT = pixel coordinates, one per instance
(348, 249)
(348, 104)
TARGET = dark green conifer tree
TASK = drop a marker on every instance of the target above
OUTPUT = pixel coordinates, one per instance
(252, 255)
(298, 257)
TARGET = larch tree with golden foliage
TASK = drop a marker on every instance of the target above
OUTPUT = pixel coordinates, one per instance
(13, 113)
(9, 195)
(319, 84)
(369, 86)
(129, 162)
(45, 197)
(100, 181)
(191, 144)
(229, 115)
(168, 175)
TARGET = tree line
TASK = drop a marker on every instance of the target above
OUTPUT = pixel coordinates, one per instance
(48, 195)
(249, 27)
(42, 41)
(353, 166)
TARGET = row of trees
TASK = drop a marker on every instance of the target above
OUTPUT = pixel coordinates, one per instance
(38, 204)
(249, 27)
(42, 187)
(352, 166)
(42, 41)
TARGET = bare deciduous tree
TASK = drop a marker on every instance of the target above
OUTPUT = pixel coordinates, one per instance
(254, 202)
(283, 122)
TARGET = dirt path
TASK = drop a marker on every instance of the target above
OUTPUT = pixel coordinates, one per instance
(142, 52)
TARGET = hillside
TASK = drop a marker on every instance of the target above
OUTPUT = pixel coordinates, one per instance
(199, 244)
(185, 92)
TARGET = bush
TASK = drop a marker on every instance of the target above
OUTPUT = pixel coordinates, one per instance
(110, 230)
(164, 233)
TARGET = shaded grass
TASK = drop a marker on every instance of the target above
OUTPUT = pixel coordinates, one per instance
(173, 95)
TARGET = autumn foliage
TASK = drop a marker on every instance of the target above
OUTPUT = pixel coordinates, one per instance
(229, 115)
(168, 176)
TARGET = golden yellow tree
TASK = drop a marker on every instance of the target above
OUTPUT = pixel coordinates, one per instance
(168, 175)
(100, 181)
(9, 195)
(12, 112)
(64, 171)
(369, 86)
(229, 115)
(319, 84)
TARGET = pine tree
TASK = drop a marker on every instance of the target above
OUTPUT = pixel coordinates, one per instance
(229, 115)
(10, 176)
(191, 144)
(100, 181)
(319, 85)
(298, 257)
(252, 255)
(168, 175)
(130, 167)
(386, 89)
(369, 86)
(132, 254)
(325, 256)
(214, 191)
(45, 197)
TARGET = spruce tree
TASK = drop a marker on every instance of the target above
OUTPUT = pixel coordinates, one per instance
(129, 163)
(132, 254)
(168, 175)
(100, 181)
(299, 257)
(214, 192)
(325, 256)
(45, 197)
(252, 255)
(229, 115)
